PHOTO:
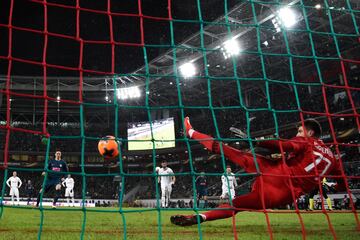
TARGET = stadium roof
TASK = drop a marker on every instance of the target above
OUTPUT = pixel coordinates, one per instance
(224, 89)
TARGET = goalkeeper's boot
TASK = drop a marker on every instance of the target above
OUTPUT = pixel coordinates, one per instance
(188, 127)
(185, 220)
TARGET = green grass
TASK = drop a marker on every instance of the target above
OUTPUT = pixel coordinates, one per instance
(20, 223)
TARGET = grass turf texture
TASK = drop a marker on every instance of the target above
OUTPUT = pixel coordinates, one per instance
(64, 223)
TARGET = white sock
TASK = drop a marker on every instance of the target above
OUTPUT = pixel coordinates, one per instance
(68, 201)
(163, 201)
(73, 201)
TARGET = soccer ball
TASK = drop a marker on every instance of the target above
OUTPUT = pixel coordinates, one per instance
(108, 147)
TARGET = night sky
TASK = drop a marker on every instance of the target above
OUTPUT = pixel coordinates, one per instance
(95, 27)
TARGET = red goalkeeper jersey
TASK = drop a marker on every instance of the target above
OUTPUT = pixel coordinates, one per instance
(305, 157)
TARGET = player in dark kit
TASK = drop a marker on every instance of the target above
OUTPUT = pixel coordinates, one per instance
(58, 169)
(201, 188)
(307, 156)
(29, 188)
(325, 188)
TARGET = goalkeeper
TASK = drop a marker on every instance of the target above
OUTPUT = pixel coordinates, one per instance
(307, 156)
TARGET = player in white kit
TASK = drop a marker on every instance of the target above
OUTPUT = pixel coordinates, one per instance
(69, 190)
(166, 181)
(228, 183)
(14, 183)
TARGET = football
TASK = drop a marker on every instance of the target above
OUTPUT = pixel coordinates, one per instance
(108, 147)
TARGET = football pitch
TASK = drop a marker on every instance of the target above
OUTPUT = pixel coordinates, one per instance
(106, 223)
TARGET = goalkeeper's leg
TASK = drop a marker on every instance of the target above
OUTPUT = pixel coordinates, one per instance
(250, 200)
(268, 196)
(244, 159)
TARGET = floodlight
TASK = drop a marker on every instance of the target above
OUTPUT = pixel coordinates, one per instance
(287, 17)
(231, 48)
(188, 70)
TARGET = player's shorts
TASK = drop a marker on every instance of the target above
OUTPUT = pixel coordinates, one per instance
(14, 191)
(30, 193)
(69, 192)
(316, 191)
(166, 189)
(202, 192)
(225, 193)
